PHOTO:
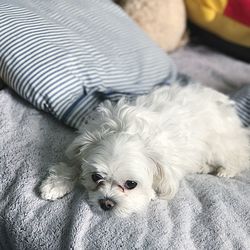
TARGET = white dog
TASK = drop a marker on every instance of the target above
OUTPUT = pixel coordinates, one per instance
(134, 151)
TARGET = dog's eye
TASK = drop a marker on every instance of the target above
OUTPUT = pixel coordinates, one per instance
(130, 184)
(96, 177)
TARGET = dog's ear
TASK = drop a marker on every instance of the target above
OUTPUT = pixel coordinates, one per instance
(82, 144)
(165, 181)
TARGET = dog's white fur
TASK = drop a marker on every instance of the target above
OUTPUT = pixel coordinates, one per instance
(156, 141)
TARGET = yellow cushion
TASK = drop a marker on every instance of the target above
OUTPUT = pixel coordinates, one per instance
(228, 19)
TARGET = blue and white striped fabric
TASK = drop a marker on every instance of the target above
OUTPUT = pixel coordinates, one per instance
(242, 104)
(65, 56)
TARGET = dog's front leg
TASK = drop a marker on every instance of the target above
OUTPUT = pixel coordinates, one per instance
(60, 180)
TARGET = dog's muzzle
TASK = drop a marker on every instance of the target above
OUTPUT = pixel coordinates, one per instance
(106, 204)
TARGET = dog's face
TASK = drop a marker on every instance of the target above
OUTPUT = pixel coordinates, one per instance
(117, 174)
(120, 168)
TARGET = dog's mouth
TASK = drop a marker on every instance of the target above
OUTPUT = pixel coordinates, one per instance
(97, 209)
(109, 209)
(102, 203)
(107, 204)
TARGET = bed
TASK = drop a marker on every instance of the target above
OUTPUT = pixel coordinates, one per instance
(207, 213)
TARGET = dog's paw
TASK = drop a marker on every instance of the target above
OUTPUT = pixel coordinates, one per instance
(53, 190)
(226, 173)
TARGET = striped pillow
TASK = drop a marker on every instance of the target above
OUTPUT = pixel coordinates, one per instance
(65, 56)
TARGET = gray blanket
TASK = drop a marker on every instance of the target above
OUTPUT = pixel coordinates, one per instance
(207, 213)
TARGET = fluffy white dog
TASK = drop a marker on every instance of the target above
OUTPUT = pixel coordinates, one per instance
(133, 152)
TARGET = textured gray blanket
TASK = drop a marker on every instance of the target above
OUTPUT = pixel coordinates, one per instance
(207, 213)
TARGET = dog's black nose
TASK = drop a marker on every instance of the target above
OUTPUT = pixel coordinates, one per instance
(106, 204)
